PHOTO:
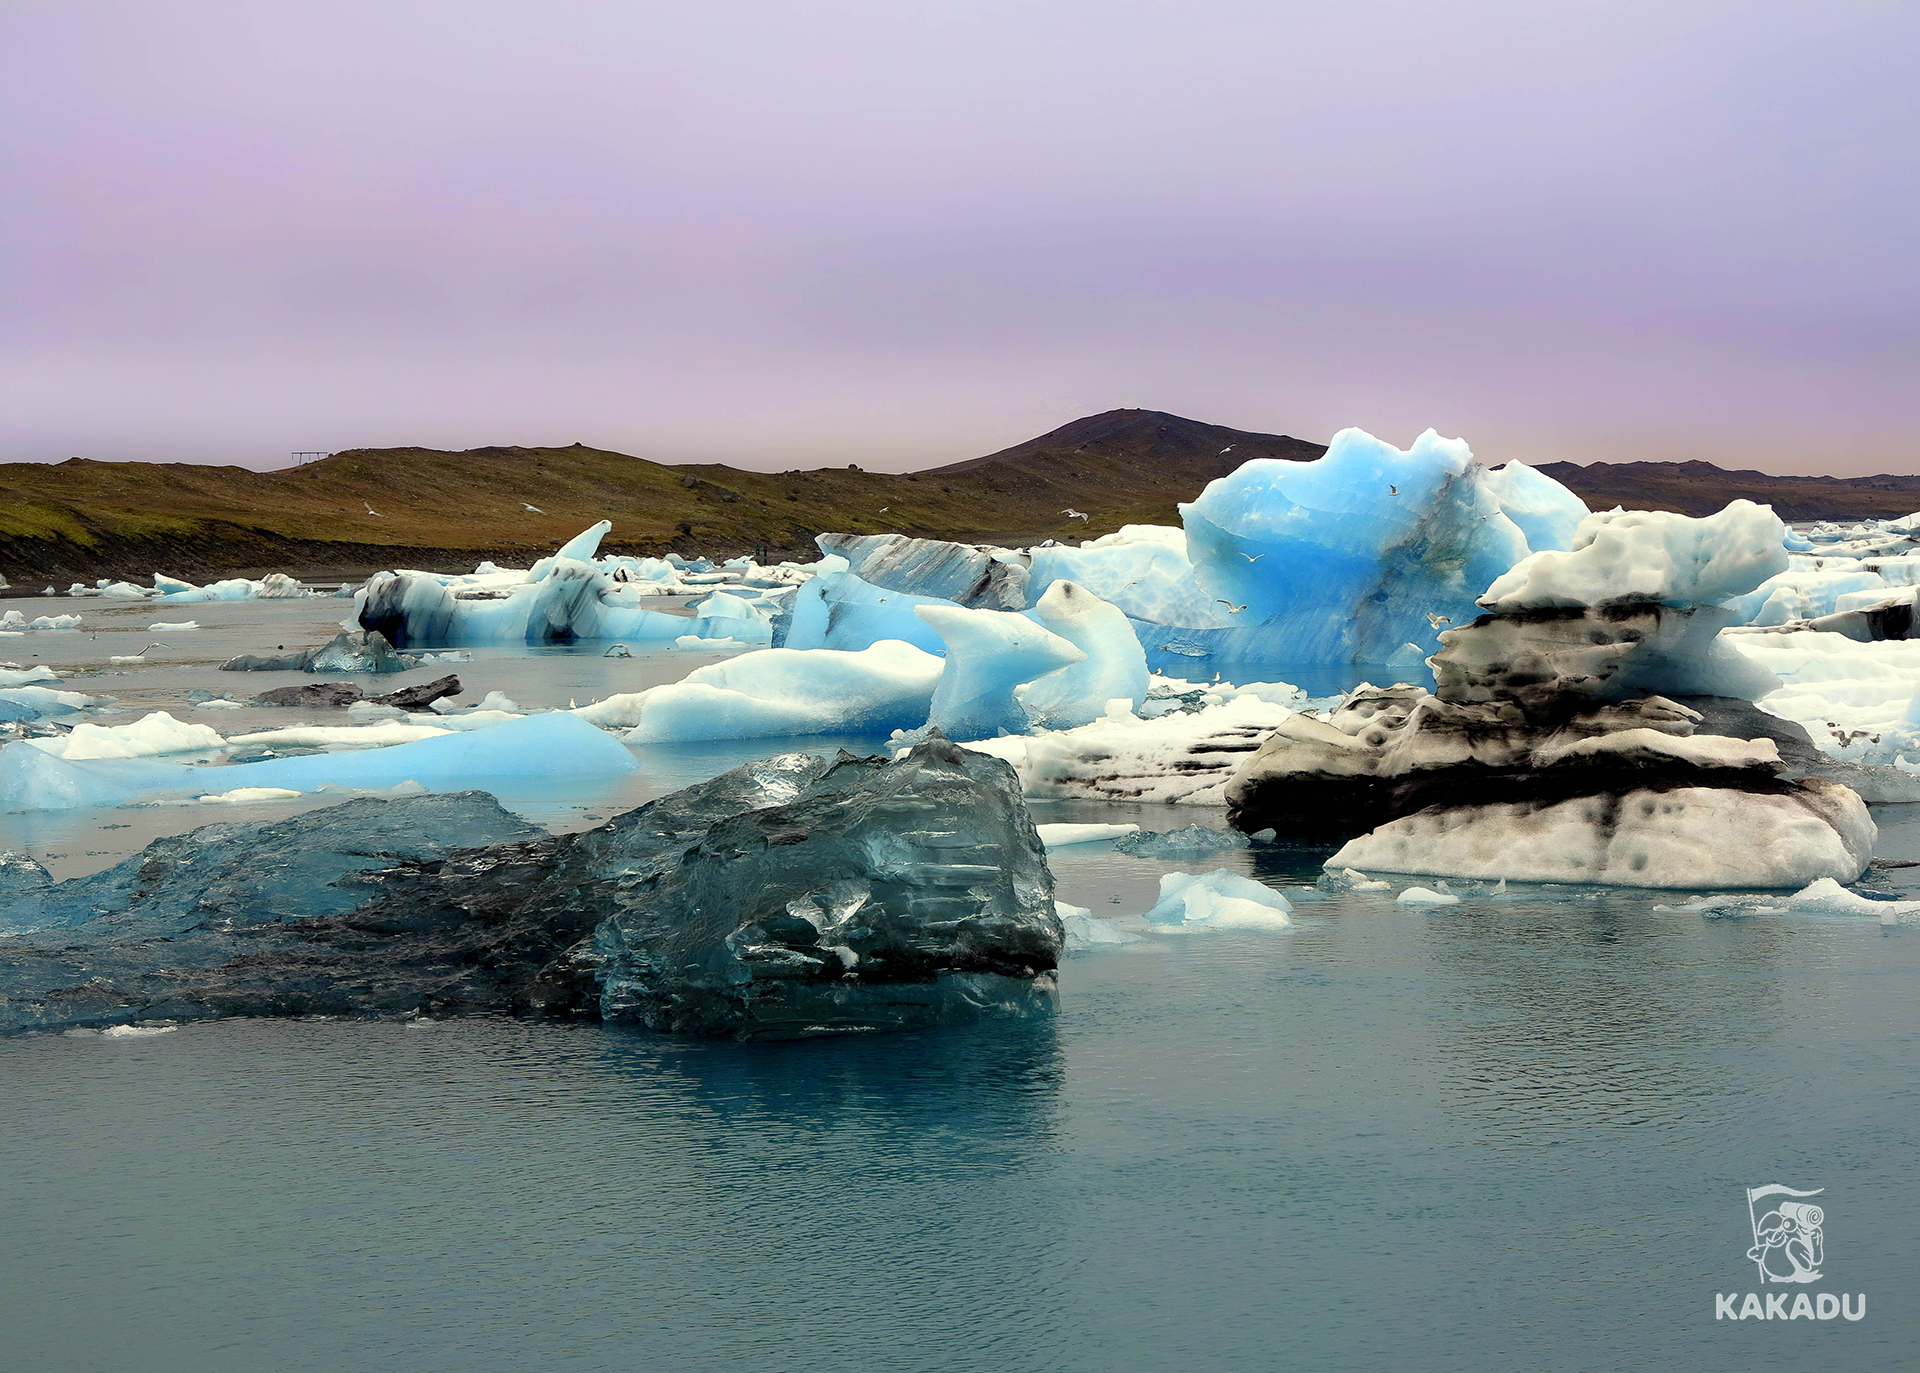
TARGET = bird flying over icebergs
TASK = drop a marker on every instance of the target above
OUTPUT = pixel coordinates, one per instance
(1235, 609)
(1437, 620)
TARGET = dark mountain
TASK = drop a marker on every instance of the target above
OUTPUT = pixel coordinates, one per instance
(1700, 488)
(1147, 443)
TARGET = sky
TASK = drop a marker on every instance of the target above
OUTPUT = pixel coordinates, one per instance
(798, 234)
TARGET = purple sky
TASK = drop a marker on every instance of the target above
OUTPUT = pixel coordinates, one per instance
(788, 234)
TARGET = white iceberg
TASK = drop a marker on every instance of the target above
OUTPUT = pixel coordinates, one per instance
(780, 692)
(1063, 836)
(989, 654)
(1085, 932)
(147, 737)
(1218, 900)
(1114, 668)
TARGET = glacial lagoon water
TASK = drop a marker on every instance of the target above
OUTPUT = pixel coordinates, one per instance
(1509, 1134)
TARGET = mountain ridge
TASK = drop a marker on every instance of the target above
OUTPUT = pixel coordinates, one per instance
(359, 510)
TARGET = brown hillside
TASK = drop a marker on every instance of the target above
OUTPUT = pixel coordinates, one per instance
(364, 509)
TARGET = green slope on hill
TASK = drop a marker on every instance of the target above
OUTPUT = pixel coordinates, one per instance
(368, 508)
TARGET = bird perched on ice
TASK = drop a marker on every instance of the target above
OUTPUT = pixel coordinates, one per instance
(1437, 620)
(1073, 514)
(1231, 607)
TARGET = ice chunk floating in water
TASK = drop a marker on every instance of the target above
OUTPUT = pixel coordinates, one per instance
(548, 746)
(796, 896)
(1218, 900)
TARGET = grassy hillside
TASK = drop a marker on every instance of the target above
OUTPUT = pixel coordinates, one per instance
(364, 509)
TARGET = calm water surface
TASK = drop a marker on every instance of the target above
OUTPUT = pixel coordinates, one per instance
(1505, 1135)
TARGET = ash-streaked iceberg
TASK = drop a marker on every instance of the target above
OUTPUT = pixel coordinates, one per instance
(1542, 754)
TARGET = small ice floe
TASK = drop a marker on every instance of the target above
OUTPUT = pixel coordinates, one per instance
(1828, 897)
(1348, 879)
(166, 627)
(1195, 841)
(1085, 932)
(1426, 896)
(219, 703)
(121, 1032)
(1218, 900)
(1727, 906)
(243, 795)
(1063, 836)
(151, 735)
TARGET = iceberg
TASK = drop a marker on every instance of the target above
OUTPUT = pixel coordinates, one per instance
(555, 745)
(979, 577)
(1828, 897)
(1143, 569)
(575, 594)
(146, 737)
(782, 692)
(1195, 841)
(1066, 835)
(1084, 933)
(344, 652)
(837, 609)
(40, 703)
(1114, 669)
(1218, 900)
(1544, 752)
(1186, 757)
(887, 895)
(1345, 558)
(989, 654)
(797, 896)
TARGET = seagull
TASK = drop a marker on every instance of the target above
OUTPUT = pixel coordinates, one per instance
(1437, 620)
(1224, 451)
(371, 511)
(883, 510)
(1073, 514)
(1235, 609)
(1253, 557)
(139, 657)
(523, 505)
(1393, 490)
